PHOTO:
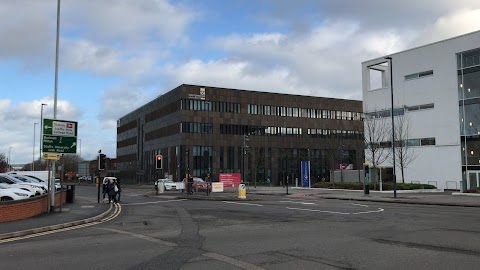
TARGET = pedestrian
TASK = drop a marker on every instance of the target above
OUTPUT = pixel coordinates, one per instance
(119, 192)
(111, 186)
(104, 184)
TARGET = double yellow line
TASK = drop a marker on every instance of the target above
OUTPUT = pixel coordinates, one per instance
(116, 212)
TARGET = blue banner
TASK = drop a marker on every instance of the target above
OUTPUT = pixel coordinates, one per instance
(305, 173)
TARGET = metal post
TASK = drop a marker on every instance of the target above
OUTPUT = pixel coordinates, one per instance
(33, 155)
(41, 131)
(393, 128)
(9, 161)
(52, 194)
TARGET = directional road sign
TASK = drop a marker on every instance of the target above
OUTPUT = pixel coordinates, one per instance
(59, 136)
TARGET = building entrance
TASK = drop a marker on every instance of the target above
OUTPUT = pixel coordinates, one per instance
(473, 179)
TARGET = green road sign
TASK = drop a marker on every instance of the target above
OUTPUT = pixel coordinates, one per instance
(59, 128)
(59, 144)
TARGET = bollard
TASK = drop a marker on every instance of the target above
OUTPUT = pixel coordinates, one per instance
(242, 192)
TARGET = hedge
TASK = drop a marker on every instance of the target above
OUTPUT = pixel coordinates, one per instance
(359, 186)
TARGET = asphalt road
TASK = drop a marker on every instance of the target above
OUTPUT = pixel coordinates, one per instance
(273, 233)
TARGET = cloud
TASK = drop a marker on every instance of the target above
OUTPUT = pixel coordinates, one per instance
(453, 24)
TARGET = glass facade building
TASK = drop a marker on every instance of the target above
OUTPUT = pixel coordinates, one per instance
(206, 131)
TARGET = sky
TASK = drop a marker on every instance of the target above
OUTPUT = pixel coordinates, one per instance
(116, 55)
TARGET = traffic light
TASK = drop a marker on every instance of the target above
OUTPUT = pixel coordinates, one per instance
(101, 162)
(158, 162)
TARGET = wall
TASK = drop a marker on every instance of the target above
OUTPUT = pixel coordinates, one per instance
(22, 209)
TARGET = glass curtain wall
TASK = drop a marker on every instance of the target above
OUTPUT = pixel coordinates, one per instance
(468, 65)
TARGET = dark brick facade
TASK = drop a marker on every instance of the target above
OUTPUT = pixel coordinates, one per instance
(209, 124)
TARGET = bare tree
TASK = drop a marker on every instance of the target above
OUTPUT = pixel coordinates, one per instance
(3, 163)
(377, 134)
(404, 153)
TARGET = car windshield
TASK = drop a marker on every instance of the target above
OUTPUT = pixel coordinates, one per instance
(168, 181)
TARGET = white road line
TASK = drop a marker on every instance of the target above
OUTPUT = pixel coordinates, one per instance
(367, 212)
(252, 204)
(359, 204)
(179, 200)
(299, 202)
(316, 210)
(232, 261)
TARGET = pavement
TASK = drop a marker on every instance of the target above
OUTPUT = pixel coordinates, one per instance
(85, 208)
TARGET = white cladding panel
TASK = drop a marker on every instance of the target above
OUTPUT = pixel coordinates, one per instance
(441, 162)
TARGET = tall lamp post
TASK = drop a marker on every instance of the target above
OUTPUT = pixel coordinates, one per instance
(41, 130)
(33, 155)
(9, 160)
(393, 128)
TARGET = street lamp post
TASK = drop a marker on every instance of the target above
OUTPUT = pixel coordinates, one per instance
(393, 128)
(9, 160)
(33, 155)
(80, 141)
(41, 130)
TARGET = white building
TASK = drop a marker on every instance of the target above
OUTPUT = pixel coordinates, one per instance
(433, 87)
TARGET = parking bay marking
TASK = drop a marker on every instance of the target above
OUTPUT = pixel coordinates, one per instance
(252, 204)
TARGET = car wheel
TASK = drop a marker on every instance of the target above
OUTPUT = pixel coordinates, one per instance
(6, 199)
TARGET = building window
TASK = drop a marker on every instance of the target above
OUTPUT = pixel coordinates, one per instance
(419, 75)
(427, 141)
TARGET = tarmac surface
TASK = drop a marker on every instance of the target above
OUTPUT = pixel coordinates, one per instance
(85, 208)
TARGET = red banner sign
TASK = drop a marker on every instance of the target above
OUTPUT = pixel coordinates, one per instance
(230, 179)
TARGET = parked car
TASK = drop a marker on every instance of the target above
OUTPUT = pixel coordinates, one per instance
(13, 194)
(168, 184)
(42, 188)
(57, 184)
(200, 185)
(7, 182)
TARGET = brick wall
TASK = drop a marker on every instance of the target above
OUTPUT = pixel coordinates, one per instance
(16, 210)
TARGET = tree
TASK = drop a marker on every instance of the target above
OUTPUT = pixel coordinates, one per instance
(377, 134)
(3, 163)
(404, 153)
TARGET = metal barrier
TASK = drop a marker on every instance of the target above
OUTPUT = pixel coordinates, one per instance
(452, 185)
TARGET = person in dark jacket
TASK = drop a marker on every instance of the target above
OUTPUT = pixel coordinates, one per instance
(112, 194)
(119, 192)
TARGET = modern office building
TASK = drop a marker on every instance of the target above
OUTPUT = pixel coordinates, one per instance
(206, 131)
(436, 90)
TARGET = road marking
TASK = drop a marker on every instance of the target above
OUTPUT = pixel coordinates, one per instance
(233, 261)
(117, 211)
(360, 204)
(316, 210)
(88, 206)
(300, 202)
(252, 204)
(141, 236)
(179, 200)
(368, 212)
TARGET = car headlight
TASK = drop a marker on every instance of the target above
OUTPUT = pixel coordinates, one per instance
(21, 194)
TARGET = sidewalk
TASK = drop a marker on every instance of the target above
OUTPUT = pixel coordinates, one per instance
(84, 209)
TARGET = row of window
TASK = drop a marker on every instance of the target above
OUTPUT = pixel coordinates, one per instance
(302, 112)
(187, 127)
(214, 106)
(468, 59)
(399, 111)
(260, 130)
(409, 142)
(419, 75)
(217, 106)
(338, 134)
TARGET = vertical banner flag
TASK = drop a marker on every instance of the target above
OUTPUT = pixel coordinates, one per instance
(305, 173)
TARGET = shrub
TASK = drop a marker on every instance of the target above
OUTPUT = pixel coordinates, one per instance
(359, 186)
(474, 190)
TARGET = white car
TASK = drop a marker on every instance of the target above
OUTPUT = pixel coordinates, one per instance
(6, 182)
(41, 181)
(13, 194)
(168, 184)
(38, 189)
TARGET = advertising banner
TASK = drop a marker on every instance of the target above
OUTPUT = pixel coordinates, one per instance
(305, 173)
(230, 180)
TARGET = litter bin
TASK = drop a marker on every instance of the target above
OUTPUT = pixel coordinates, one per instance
(70, 193)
